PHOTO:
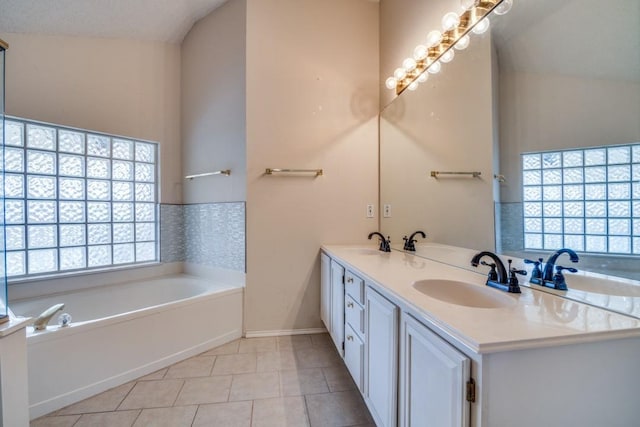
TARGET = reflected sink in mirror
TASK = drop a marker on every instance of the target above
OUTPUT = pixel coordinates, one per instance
(600, 286)
(463, 293)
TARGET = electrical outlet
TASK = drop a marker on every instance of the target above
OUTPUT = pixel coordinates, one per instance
(387, 211)
(370, 211)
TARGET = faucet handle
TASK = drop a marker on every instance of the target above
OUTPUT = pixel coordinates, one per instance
(558, 278)
(514, 285)
(559, 268)
(408, 244)
(493, 274)
(536, 273)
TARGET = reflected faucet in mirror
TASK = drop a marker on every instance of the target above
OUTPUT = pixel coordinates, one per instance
(409, 242)
(547, 277)
(385, 244)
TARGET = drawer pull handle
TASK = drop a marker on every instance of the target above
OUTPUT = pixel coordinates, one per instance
(349, 337)
(350, 304)
(349, 279)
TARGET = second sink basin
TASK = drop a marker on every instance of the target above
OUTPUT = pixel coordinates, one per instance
(462, 293)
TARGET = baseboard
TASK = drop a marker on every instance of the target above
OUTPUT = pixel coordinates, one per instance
(42, 408)
(284, 332)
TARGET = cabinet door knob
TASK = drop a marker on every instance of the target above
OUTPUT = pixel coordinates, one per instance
(350, 304)
(349, 279)
(349, 337)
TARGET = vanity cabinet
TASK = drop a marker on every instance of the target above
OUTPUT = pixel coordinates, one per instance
(354, 327)
(337, 306)
(380, 388)
(535, 364)
(325, 290)
(433, 379)
(332, 300)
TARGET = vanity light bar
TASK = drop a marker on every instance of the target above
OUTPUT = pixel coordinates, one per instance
(439, 47)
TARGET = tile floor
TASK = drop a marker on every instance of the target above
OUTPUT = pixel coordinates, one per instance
(288, 381)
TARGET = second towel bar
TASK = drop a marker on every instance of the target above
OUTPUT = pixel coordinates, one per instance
(436, 174)
(271, 171)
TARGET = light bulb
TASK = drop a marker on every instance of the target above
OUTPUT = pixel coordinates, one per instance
(468, 4)
(420, 52)
(391, 83)
(409, 64)
(423, 77)
(435, 67)
(463, 43)
(447, 56)
(413, 85)
(450, 21)
(482, 26)
(503, 8)
(400, 73)
(434, 38)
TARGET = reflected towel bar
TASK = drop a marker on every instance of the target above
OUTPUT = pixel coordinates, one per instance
(436, 174)
(271, 171)
(225, 172)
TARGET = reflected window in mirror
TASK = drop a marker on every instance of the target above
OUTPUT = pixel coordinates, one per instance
(584, 199)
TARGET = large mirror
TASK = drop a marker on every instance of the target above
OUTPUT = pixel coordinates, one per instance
(555, 86)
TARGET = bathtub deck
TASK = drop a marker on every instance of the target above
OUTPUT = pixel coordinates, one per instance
(296, 381)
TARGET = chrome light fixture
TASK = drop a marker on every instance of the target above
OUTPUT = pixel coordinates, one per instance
(440, 46)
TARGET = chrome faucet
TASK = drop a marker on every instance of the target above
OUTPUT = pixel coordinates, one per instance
(409, 242)
(500, 279)
(42, 321)
(385, 244)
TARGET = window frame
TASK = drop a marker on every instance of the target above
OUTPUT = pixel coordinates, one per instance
(57, 177)
(612, 184)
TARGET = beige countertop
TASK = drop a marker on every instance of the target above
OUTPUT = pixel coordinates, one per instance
(536, 319)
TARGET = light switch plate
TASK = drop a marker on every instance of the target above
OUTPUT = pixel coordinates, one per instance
(370, 211)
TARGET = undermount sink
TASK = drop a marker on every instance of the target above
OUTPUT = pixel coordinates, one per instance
(462, 293)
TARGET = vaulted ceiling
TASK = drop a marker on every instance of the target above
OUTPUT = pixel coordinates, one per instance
(152, 20)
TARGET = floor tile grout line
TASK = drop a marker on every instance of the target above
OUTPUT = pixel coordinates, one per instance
(175, 399)
(195, 415)
(211, 369)
(117, 408)
(136, 418)
(306, 407)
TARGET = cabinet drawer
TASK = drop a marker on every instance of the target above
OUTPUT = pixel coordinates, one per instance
(354, 286)
(354, 315)
(354, 355)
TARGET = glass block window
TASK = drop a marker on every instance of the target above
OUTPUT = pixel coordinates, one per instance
(76, 199)
(585, 199)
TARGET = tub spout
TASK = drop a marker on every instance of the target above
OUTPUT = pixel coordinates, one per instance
(42, 321)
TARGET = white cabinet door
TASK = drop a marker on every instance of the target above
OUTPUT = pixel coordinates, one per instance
(354, 355)
(337, 306)
(381, 331)
(325, 290)
(433, 377)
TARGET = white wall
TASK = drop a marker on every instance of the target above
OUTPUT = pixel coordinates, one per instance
(124, 87)
(541, 112)
(213, 105)
(312, 102)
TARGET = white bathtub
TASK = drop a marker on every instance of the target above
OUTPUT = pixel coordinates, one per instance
(121, 332)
